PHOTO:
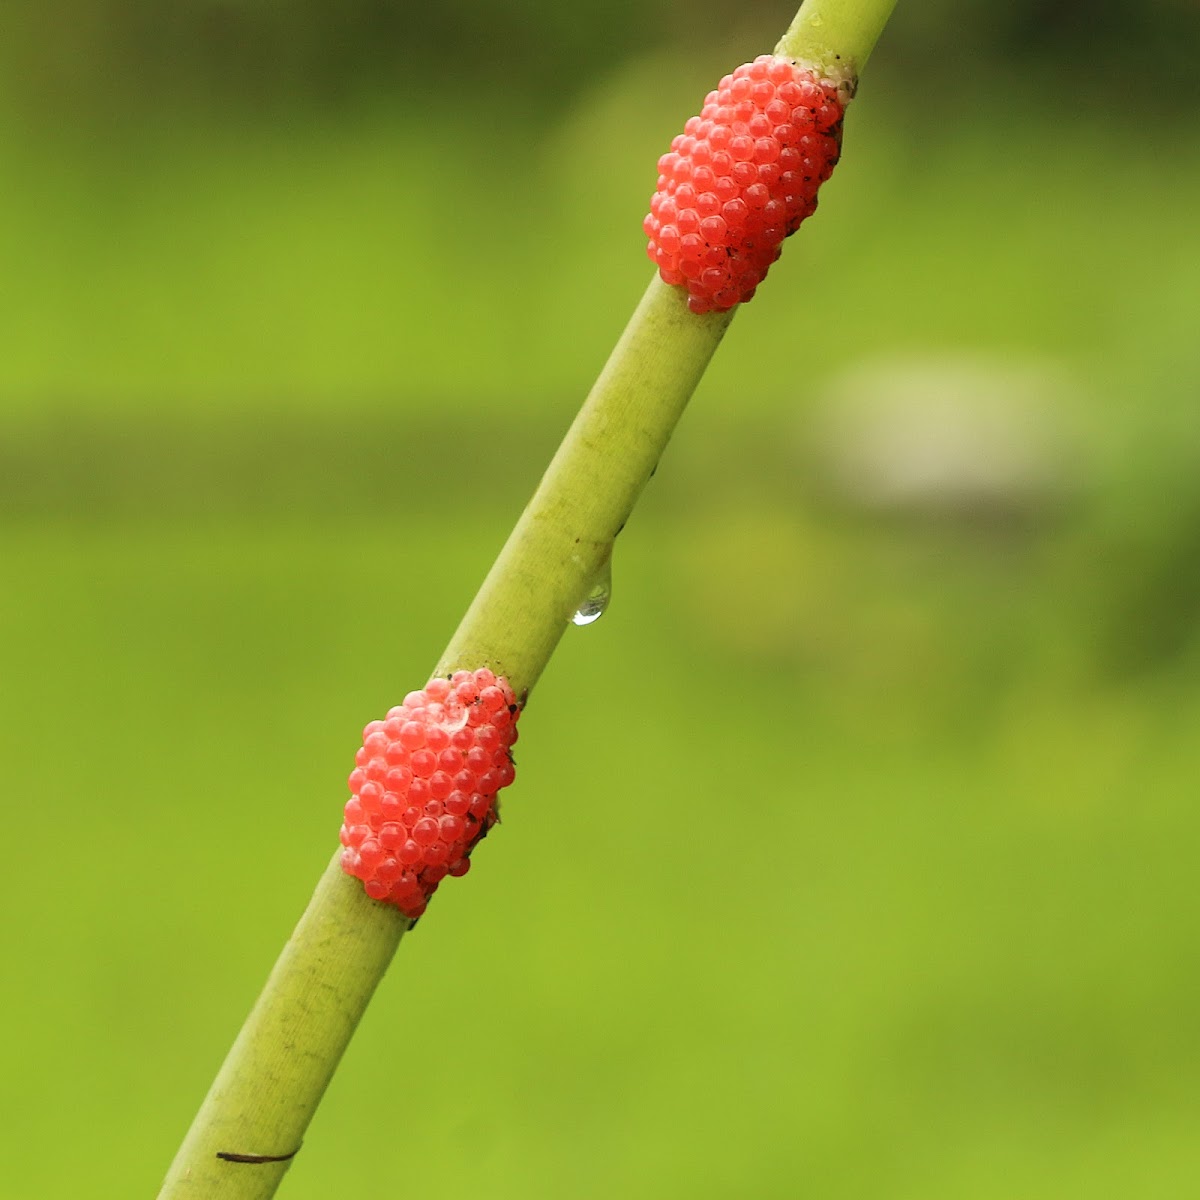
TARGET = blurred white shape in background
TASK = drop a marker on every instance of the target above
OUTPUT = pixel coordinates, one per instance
(951, 435)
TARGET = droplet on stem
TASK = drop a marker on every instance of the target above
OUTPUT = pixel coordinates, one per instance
(595, 601)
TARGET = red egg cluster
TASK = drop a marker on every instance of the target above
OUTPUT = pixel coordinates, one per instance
(741, 177)
(425, 786)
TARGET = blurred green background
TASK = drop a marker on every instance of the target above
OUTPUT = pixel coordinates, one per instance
(852, 854)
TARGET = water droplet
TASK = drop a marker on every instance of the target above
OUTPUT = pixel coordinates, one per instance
(592, 607)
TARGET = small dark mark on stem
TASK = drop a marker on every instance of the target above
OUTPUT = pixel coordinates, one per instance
(229, 1156)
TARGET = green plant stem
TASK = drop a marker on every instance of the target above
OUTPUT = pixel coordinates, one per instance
(274, 1076)
(565, 535)
(838, 35)
(272, 1080)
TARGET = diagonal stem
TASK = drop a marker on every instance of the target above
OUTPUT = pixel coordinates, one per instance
(254, 1117)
